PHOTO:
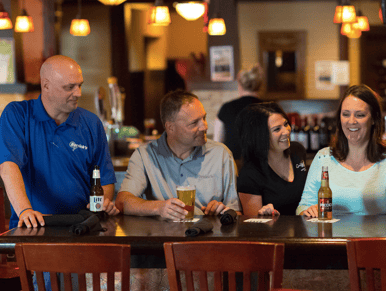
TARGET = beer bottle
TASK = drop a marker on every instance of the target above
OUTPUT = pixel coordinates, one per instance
(96, 192)
(324, 197)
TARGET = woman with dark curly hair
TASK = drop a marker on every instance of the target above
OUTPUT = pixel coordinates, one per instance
(356, 159)
(274, 172)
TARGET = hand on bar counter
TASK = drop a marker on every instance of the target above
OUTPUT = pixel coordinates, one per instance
(30, 218)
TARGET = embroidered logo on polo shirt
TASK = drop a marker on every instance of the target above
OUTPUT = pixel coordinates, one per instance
(301, 165)
(75, 146)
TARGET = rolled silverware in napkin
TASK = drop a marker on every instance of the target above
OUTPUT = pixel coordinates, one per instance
(228, 217)
(91, 224)
(201, 226)
(63, 219)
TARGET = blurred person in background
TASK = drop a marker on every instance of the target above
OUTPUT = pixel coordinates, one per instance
(356, 159)
(272, 178)
(249, 85)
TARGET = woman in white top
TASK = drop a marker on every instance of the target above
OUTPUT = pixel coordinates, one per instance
(356, 159)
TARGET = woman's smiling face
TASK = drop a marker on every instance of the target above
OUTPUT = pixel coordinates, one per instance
(356, 120)
(279, 133)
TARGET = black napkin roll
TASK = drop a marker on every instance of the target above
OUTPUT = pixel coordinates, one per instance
(63, 219)
(228, 217)
(91, 224)
(201, 226)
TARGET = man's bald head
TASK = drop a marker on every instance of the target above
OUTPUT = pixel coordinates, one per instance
(57, 65)
(61, 80)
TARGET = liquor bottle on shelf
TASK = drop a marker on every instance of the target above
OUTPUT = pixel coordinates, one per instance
(323, 134)
(324, 197)
(314, 136)
(96, 192)
(294, 128)
(303, 135)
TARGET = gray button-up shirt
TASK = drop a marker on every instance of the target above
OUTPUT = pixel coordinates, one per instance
(210, 168)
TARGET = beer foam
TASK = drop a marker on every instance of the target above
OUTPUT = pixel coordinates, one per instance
(181, 188)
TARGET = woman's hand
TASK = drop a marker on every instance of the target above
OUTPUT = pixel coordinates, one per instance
(311, 211)
(268, 210)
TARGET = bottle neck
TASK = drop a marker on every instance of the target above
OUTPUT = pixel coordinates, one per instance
(97, 181)
(325, 183)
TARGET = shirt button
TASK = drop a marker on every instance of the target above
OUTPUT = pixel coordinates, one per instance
(182, 175)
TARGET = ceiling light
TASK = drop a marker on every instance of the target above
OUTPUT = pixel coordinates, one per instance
(191, 10)
(5, 21)
(338, 14)
(216, 26)
(80, 27)
(24, 22)
(159, 14)
(348, 14)
(112, 2)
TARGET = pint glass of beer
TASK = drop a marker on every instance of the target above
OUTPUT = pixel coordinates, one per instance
(187, 194)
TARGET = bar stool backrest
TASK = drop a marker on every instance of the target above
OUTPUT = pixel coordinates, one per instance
(68, 258)
(8, 270)
(367, 255)
(224, 257)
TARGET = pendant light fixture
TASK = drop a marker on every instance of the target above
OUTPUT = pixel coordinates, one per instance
(362, 22)
(24, 22)
(345, 14)
(112, 2)
(190, 10)
(159, 14)
(5, 21)
(80, 27)
(216, 24)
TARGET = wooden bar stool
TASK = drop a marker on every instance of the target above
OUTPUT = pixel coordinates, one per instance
(367, 254)
(68, 258)
(218, 257)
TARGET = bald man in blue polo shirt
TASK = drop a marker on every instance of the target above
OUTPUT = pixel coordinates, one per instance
(49, 147)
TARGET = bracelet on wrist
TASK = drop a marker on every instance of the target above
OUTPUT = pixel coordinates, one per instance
(24, 210)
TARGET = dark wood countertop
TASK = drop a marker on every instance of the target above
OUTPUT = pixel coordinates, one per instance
(308, 245)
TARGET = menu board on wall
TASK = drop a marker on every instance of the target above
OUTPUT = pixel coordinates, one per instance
(221, 63)
(7, 71)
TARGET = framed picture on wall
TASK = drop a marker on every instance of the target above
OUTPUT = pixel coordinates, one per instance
(221, 63)
(7, 62)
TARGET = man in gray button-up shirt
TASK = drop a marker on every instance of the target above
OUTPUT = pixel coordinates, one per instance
(181, 156)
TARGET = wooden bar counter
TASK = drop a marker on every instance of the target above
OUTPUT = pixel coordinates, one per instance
(308, 245)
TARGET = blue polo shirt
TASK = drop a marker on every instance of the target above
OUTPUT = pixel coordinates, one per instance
(56, 162)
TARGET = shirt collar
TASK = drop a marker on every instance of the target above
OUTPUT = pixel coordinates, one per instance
(41, 114)
(164, 150)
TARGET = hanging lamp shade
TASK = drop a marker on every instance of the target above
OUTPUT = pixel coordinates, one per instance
(348, 14)
(354, 33)
(362, 24)
(380, 14)
(216, 26)
(191, 10)
(5, 21)
(338, 14)
(346, 28)
(80, 27)
(112, 2)
(24, 22)
(159, 16)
